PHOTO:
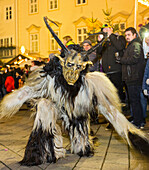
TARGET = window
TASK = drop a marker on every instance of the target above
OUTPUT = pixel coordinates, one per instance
(33, 6)
(81, 34)
(121, 26)
(53, 4)
(34, 45)
(1, 43)
(81, 2)
(6, 43)
(53, 43)
(8, 13)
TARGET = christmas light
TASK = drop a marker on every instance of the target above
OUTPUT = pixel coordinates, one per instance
(144, 2)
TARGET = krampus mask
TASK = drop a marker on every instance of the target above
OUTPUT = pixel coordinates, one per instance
(73, 63)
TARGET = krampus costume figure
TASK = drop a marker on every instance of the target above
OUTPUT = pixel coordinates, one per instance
(65, 89)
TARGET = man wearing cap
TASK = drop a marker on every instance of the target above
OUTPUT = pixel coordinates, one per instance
(114, 46)
(87, 44)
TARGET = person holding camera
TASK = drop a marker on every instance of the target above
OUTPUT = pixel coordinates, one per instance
(114, 46)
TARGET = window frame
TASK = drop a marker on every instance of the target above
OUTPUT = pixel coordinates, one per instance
(33, 47)
(81, 3)
(57, 32)
(32, 6)
(6, 42)
(8, 13)
(53, 9)
(82, 35)
(124, 26)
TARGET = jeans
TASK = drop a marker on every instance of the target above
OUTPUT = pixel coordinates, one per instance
(134, 92)
(144, 104)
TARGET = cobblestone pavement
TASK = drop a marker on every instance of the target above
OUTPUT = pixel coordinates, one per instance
(111, 152)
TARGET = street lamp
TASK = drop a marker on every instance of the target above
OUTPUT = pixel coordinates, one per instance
(22, 49)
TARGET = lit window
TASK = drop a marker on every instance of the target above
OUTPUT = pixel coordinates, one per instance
(81, 2)
(8, 13)
(122, 26)
(53, 43)
(33, 6)
(34, 47)
(81, 34)
(53, 4)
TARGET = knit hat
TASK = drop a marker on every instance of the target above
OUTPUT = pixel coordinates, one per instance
(106, 26)
(87, 41)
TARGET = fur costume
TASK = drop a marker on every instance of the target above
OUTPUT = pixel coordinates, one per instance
(63, 88)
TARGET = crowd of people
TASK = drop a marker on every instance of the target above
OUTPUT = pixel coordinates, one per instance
(12, 78)
(124, 59)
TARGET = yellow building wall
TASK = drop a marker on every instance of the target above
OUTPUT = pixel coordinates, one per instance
(66, 15)
(7, 27)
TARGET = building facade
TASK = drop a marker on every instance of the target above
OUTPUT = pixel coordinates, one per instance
(21, 22)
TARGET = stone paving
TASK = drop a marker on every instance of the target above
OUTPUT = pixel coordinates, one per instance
(111, 152)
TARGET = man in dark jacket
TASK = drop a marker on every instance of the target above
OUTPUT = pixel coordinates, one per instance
(114, 46)
(133, 64)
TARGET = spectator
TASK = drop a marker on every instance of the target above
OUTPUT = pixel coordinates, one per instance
(26, 70)
(132, 73)
(92, 57)
(17, 78)
(35, 65)
(9, 84)
(144, 29)
(68, 42)
(112, 47)
(40, 61)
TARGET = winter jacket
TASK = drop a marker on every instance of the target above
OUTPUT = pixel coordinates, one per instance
(133, 63)
(115, 44)
(92, 57)
(9, 84)
(146, 76)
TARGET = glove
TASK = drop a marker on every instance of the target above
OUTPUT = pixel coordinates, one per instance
(147, 81)
(145, 92)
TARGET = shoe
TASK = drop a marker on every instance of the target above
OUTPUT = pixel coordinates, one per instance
(142, 125)
(129, 118)
(137, 126)
(132, 122)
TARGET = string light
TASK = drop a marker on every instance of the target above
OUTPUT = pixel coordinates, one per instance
(144, 2)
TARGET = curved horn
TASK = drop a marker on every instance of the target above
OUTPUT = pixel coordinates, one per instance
(86, 53)
(97, 45)
(54, 35)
